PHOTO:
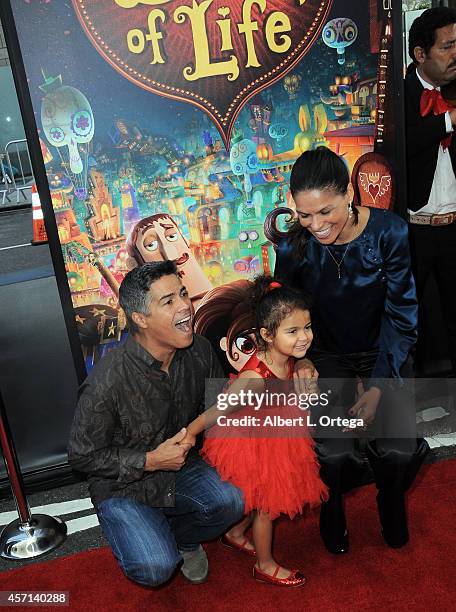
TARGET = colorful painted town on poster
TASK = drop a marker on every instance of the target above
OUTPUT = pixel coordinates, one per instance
(195, 202)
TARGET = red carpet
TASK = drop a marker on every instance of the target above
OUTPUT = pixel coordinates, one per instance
(419, 577)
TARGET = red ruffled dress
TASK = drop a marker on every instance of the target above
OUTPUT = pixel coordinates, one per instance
(278, 475)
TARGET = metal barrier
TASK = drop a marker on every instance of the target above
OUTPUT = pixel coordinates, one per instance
(16, 175)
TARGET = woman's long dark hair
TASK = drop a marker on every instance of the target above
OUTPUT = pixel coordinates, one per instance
(318, 169)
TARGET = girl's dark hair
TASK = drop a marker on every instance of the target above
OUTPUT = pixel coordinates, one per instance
(319, 169)
(272, 302)
(422, 32)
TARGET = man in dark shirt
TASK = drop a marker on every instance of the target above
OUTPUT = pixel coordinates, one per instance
(156, 499)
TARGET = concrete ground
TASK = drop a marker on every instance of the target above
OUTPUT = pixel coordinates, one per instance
(17, 255)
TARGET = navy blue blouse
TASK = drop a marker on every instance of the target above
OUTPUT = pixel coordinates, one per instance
(372, 306)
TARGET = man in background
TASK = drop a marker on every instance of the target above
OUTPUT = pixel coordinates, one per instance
(431, 160)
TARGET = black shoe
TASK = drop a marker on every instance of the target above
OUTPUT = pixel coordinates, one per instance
(393, 478)
(393, 519)
(395, 542)
(333, 527)
(338, 548)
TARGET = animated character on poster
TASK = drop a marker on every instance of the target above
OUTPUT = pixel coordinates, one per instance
(224, 316)
(158, 238)
(340, 34)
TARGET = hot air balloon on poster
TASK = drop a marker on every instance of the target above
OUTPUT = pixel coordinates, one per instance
(68, 124)
(291, 84)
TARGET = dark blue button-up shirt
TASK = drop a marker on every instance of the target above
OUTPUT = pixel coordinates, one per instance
(373, 304)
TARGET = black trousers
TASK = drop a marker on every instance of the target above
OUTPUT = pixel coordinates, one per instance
(433, 250)
(394, 453)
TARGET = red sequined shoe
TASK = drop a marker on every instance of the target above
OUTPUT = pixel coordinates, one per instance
(295, 579)
(242, 547)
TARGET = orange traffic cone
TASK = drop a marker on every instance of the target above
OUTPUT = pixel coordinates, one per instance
(39, 230)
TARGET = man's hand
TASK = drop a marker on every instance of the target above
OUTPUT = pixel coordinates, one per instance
(366, 407)
(170, 455)
(305, 376)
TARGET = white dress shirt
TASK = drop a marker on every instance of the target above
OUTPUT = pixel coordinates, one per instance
(442, 198)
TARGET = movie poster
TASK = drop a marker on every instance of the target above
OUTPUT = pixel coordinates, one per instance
(168, 129)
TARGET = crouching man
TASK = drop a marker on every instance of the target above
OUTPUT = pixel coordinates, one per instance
(155, 498)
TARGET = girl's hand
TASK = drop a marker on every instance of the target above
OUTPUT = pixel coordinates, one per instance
(170, 455)
(305, 376)
(366, 407)
(189, 440)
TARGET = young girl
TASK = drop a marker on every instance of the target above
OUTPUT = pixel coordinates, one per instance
(276, 474)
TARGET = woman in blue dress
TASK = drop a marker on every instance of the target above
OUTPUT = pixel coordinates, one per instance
(354, 263)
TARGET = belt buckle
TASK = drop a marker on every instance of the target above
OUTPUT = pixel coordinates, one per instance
(420, 219)
(414, 219)
(442, 219)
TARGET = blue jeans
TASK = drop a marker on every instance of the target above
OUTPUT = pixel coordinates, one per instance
(146, 540)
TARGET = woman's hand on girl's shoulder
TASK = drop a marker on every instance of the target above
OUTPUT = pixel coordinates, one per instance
(305, 376)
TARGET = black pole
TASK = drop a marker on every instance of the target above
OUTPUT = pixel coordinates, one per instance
(399, 109)
(39, 171)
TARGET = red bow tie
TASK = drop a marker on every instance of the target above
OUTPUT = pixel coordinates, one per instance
(432, 100)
